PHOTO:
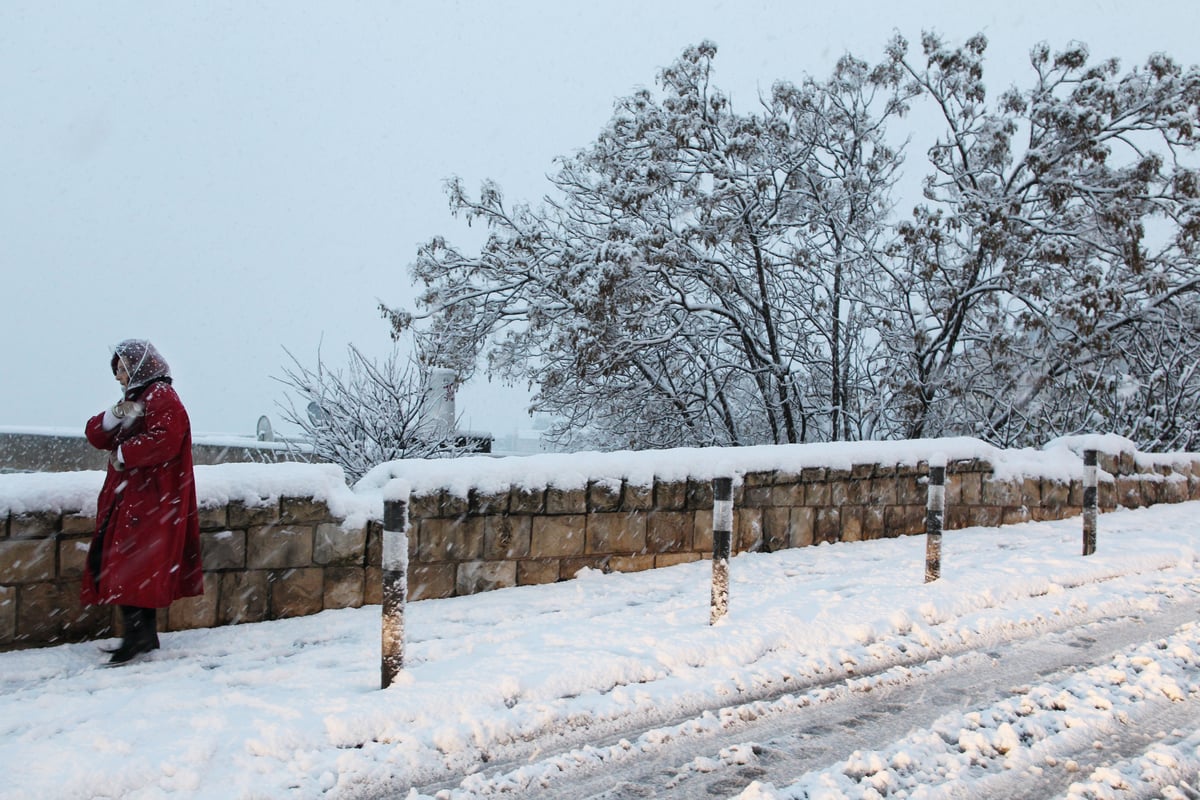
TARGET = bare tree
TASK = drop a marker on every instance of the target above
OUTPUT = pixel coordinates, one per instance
(367, 412)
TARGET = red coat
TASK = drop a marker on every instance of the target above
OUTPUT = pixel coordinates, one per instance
(147, 513)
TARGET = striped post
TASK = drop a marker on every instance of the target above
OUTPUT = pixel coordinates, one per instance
(1089, 502)
(935, 514)
(395, 587)
(722, 546)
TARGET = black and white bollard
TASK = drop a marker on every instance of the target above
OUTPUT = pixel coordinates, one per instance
(395, 582)
(722, 546)
(1089, 501)
(935, 515)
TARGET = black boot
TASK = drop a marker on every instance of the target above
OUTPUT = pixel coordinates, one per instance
(141, 634)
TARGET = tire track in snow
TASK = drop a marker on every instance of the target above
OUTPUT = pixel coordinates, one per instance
(781, 736)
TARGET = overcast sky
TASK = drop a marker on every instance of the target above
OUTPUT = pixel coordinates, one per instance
(229, 179)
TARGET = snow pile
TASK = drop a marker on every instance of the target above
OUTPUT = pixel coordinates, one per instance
(263, 484)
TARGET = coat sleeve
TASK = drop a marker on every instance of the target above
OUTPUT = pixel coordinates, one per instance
(97, 436)
(165, 428)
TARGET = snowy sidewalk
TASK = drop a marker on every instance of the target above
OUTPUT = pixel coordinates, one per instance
(292, 708)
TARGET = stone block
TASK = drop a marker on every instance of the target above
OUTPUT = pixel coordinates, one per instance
(906, 520)
(957, 517)
(78, 523)
(786, 495)
(874, 522)
(566, 501)
(986, 516)
(537, 571)
(72, 555)
(570, 567)
(702, 531)
(8, 614)
(852, 523)
(1002, 493)
(1015, 514)
(1129, 492)
(1175, 491)
(953, 490)
(450, 539)
(604, 495)
(670, 496)
(757, 496)
(1055, 495)
(424, 506)
(555, 537)
(1106, 495)
(4, 526)
(190, 613)
(828, 525)
(298, 510)
(373, 586)
(34, 525)
(699, 494)
(474, 577)
(507, 537)
(334, 545)
(971, 488)
(286, 547)
(244, 517)
(616, 533)
(214, 518)
(244, 597)
(1031, 492)
(637, 498)
(753, 480)
(912, 489)
(671, 559)
(375, 543)
(223, 550)
(812, 475)
(453, 505)
(839, 492)
(802, 523)
(487, 503)
(52, 612)
(639, 563)
(669, 531)
(816, 494)
(776, 529)
(27, 560)
(747, 530)
(523, 500)
(861, 472)
(430, 581)
(344, 587)
(297, 592)
(883, 491)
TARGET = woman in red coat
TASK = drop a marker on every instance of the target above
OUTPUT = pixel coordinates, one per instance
(145, 552)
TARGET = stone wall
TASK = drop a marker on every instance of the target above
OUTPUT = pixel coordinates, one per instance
(286, 559)
(462, 545)
(291, 556)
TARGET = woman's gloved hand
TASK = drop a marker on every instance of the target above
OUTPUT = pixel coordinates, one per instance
(128, 410)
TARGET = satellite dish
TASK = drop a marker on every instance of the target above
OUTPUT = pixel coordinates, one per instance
(265, 434)
(316, 414)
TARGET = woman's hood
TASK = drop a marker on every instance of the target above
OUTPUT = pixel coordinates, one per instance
(142, 361)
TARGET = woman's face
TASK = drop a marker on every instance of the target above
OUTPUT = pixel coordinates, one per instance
(122, 375)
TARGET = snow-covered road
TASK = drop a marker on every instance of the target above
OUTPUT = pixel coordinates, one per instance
(721, 752)
(1027, 670)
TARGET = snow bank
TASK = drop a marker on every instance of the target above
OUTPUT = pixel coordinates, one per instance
(263, 484)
